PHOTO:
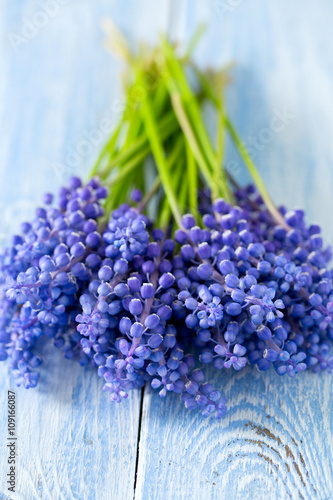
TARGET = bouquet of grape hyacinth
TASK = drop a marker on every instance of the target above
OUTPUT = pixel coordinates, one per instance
(150, 270)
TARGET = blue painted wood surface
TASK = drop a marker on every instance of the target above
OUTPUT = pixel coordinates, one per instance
(55, 90)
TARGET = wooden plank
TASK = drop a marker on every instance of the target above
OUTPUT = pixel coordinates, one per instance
(56, 88)
(71, 442)
(274, 443)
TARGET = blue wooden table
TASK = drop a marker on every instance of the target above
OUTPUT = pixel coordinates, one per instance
(57, 85)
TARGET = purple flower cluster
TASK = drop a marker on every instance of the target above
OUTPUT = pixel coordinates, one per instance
(42, 274)
(142, 308)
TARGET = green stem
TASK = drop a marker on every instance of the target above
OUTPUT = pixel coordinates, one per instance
(161, 163)
(130, 166)
(190, 137)
(219, 171)
(167, 126)
(206, 86)
(174, 156)
(153, 190)
(192, 180)
(183, 192)
(135, 124)
(165, 217)
(255, 175)
(178, 75)
(176, 151)
(219, 156)
(194, 40)
(179, 85)
(218, 101)
(160, 99)
(108, 148)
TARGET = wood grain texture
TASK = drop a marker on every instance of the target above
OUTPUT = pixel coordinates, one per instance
(275, 442)
(55, 91)
(72, 443)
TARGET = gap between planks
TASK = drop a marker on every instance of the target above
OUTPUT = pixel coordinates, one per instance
(171, 27)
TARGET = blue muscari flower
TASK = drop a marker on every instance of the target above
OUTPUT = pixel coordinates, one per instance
(212, 314)
(290, 365)
(130, 324)
(263, 307)
(233, 359)
(291, 274)
(126, 235)
(45, 268)
(207, 308)
(203, 396)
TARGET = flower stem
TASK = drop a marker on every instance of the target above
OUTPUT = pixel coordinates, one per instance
(219, 171)
(188, 112)
(192, 180)
(161, 163)
(190, 137)
(107, 149)
(153, 190)
(130, 166)
(167, 126)
(177, 73)
(256, 176)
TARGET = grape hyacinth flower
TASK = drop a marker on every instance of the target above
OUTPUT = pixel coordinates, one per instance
(119, 298)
